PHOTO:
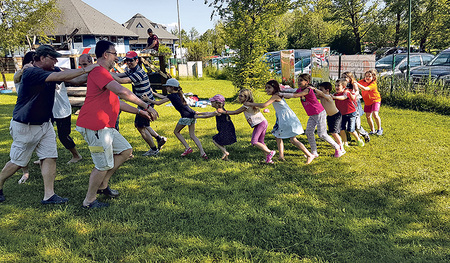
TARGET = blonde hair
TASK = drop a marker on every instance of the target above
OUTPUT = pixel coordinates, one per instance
(349, 75)
(247, 94)
(372, 72)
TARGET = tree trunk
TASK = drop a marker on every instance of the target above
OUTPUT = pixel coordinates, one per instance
(5, 85)
(397, 29)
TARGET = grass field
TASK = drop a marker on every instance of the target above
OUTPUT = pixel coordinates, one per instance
(385, 202)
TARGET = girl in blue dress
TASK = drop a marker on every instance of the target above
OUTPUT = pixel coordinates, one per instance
(287, 124)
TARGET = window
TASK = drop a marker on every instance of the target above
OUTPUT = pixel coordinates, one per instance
(114, 39)
(139, 25)
(77, 39)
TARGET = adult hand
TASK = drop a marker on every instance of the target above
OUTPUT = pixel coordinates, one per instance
(90, 67)
(153, 114)
(144, 114)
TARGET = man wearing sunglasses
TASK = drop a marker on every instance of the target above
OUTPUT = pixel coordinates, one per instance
(141, 87)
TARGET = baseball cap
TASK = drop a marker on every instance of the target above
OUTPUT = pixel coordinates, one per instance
(218, 98)
(172, 82)
(131, 54)
(47, 50)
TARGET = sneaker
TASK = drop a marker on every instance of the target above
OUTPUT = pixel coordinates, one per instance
(338, 153)
(360, 143)
(108, 192)
(96, 204)
(151, 152)
(161, 141)
(55, 199)
(188, 151)
(379, 132)
(367, 138)
(372, 133)
(270, 156)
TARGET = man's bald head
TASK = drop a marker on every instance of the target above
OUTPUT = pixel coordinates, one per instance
(85, 60)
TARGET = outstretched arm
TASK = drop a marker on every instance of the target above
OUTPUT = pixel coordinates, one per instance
(359, 85)
(295, 95)
(240, 110)
(156, 102)
(340, 97)
(205, 115)
(265, 104)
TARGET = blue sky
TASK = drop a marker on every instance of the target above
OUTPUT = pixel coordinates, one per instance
(193, 13)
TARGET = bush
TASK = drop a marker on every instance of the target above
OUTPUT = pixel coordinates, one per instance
(222, 74)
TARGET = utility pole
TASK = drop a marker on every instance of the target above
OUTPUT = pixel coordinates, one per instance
(179, 31)
(408, 68)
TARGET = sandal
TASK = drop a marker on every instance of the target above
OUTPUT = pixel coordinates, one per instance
(96, 204)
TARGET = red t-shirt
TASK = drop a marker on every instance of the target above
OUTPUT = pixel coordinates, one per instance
(101, 107)
(345, 106)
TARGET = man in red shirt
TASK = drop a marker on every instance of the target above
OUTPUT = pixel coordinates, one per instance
(97, 119)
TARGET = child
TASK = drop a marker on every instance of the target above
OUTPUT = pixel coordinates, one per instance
(352, 86)
(188, 116)
(287, 124)
(225, 127)
(316, 113)
(344, 102)
(334, 117)
(372, 100)
(256, 120)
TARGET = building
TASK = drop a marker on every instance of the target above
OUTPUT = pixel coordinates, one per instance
(83, 25)
(139, 24)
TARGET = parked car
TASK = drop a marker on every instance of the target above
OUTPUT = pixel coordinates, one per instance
(274, 61)
(302, 66)
(384, 65)
(438, 70)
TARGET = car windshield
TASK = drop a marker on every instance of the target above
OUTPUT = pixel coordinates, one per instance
(299, 66)
(389, 59)
(443, 59)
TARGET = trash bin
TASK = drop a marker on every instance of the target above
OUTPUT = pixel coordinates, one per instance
(173, 71)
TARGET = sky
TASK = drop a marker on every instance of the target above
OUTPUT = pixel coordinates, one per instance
(193, 13)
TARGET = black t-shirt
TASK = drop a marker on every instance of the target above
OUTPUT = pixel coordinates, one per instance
(184, 110)
(150, 41)
(36, 97)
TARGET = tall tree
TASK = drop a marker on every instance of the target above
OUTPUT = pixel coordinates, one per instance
(22, 18)
(246, 28)
(358, 15)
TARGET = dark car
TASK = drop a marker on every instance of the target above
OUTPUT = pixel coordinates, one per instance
(437, 71)
(274, 61)
(384, 65)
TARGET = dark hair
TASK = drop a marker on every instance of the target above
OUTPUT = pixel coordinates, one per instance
(101, 47)
(326, 85)
(305, 77)
(149, 30)
(29, 56)
(275, 85)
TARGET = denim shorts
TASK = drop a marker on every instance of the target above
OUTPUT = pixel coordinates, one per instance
(349, 122)
(187, 121)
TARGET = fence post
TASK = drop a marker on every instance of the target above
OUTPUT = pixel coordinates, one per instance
(392, 77)
(339, 66)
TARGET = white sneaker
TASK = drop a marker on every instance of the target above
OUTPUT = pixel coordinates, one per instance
(151, 152)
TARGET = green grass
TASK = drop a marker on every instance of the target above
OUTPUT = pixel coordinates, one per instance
(385, 202)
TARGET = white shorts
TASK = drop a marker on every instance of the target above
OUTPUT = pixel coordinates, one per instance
(28, 138)
(103, 144)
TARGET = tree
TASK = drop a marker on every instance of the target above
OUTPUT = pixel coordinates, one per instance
(246, 29)
(358, 15)
(22, 18)
(193, 34)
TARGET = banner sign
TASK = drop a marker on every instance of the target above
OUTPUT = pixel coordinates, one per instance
(320, 70)
(356, 64)
(287, 65)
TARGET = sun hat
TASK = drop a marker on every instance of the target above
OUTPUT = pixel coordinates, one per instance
(47, 50)
(131, 54)
(218, 98)
(172, 83)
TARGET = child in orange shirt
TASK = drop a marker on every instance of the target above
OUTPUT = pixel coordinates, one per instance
(372, 100)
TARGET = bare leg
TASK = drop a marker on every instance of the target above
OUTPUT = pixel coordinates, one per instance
(180, 137)
(309, 156)
(76, 156)
(262, 147)
(337, 138)
(195, 139)
(223, 149)
(377, 119)
(280, 146)
(9, 169)
(48, 170)
(355, 134)
(344, 137)
(146, 135)
(152, 132)
(99, 179)
(25, 176)
(370, 122)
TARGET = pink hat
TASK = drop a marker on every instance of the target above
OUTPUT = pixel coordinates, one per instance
(131, 54)
(218, 98)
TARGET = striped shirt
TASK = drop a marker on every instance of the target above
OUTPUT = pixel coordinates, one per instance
(141, 83)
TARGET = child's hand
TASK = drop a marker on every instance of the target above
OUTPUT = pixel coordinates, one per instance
(220, 110)
(145, 98)
(216, 113)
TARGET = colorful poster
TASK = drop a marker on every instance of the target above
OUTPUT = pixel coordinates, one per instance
(320, 70)
(356, 64)
(287, 66)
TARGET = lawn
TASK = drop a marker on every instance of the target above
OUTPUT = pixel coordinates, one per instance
(385, 202)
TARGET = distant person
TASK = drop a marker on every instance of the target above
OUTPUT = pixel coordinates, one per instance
(141, 87)
(152, 41)
(85, 60)
(96, 121)
(31, 126)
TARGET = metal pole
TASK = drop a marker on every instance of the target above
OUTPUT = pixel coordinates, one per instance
(409, 43)
(393, 70)
(179, 31)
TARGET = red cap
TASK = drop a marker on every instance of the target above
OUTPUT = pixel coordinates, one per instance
(131, 54)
